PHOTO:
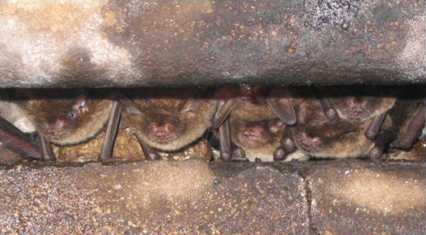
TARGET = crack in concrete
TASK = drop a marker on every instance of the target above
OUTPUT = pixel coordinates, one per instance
(312, 229)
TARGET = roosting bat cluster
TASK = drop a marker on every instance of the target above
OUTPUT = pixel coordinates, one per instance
(255, 123)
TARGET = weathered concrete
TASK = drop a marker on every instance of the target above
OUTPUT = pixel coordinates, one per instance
(354, 198)
(329, 197)
(175, 43)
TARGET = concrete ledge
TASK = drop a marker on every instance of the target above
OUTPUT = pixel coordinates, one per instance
(189, 197)
(174, 43)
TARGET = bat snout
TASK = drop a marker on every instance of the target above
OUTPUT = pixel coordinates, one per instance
(55, 128)
(356, 107)
(254, 135)
(161, 131)
(308, 142)
(254, 132)
(356, 111)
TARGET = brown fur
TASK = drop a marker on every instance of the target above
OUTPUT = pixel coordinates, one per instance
(309, 111)
(250, 111)
(257, 106)
(377, 101)
(410, 102)
(403, 112)
(46, 106)
(251, 107)
(263, 148)
(336, 145)
(339, 138)
(254, 110)
(164, 106)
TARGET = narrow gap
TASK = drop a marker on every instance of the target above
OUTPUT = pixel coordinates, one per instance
(312, 229)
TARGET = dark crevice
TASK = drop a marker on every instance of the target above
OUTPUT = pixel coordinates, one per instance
(312, 229)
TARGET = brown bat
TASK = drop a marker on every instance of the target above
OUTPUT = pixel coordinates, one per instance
(408, 116)
(360, 104)
(403, 125)
(340, 139)
(408, 120)
(64, 117)
(261, 105)
(166, 119)
(320, 137)
(259, 140)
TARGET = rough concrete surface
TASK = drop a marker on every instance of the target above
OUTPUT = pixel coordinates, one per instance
(193, 197)
(177, 43)
(354, 198)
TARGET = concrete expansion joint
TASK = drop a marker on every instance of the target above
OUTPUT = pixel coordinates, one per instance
(306, 183)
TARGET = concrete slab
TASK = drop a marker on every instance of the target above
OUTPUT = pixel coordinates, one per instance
(101, 43)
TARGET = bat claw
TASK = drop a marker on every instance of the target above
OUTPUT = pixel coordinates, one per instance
(279, 154)
(239, 155)
(376, 154)
(331, 114)
(289, 145)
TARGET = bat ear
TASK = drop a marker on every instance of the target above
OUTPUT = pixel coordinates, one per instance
(283, 108)
(80, 102)
(282, 105)
(131, 107)
(81, 99)
(191, 105)
(223, 111)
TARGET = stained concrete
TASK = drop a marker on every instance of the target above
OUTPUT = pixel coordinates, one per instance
(194, 197)
(356, 198)
(101, 43)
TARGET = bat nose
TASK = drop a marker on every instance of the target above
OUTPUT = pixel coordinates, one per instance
(160, 134)
(161, 131)
(254, 132)
(249, 133)
(55, 128)
(309, 142)
(356, 110)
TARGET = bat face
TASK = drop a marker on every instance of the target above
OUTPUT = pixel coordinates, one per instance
(257, 135)
(165, 127)
(253, 134)
(317, 138)
(352, 107)
(67, 120)
(362, 103)
(172, 122)
(262, 103)
(63, 121)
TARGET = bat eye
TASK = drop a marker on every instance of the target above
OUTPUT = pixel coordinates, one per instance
(71, 115)
(176, 120)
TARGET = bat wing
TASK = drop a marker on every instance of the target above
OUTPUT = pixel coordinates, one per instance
(225, 108)
(283, 108)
